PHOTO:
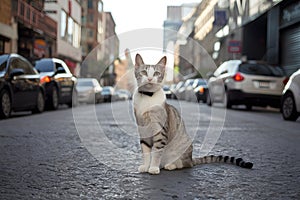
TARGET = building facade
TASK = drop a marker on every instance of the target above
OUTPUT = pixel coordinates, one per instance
(26, 30)
(8, 30)
(67, 15)
(109, 48)
(92, 28)
(266, 30)
(172, 24)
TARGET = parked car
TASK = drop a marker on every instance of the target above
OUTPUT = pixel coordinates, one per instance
(178, 86)
(59, 82)
(290, 101)
(107, 93)
(197, 92)
(181, 92)
(172, 89)
(250, 83)
(89, 90)
(121, 95)
(20, 87)
(167, 91)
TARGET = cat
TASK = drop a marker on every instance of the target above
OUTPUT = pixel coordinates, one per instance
(163, 137)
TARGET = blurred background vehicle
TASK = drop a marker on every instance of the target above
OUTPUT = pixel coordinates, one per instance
(58, 81)
(181, 92)
(121, 95)
(249, 83)
(290, 101)
(167, 91)
(200, 90)
(178, 86)
(172, 89)
(89, 90)
(107, 93)
(20, 87)
(195, 95)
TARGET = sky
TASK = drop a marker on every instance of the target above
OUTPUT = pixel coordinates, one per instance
(137, 14)
(132, 17)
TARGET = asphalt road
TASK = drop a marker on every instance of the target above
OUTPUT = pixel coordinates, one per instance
(92, 152)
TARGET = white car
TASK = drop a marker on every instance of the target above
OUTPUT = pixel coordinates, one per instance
(290, 102)
(249, 83)
(89, 90)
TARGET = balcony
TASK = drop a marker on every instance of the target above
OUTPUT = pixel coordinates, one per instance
(34, 19)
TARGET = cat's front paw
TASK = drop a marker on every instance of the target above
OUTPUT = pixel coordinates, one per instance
(154, 170)
(170, 166)
(143, 168)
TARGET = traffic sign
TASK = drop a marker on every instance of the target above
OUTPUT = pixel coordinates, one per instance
(235, 46)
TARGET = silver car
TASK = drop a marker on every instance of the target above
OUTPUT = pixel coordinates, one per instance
(249, 83)
(89, 90)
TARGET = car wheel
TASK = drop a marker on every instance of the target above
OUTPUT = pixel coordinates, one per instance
(288, 107)
(53, 104)
(208, 99)
(40, 103)
(5, 104)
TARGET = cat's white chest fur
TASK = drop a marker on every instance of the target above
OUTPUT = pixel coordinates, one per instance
(143, 103)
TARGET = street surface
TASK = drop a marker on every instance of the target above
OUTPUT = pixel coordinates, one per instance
(61, 155)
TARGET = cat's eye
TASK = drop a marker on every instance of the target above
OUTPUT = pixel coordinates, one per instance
(156, 74)
(144, 73)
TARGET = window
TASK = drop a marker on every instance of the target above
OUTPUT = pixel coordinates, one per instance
(90, 18)
(77, 35)
(261, 69)
(91, 33)
(90, 47)
(70, 30)
(100, 6)
(90, 3)
(17, 63)
(44, 66)
(63, 24)
(3, 62)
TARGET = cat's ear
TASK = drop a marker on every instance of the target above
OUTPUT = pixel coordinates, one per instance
(138, 60)
(163, 61)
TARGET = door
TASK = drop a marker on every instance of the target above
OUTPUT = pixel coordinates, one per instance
(65, 82)
(290, 49)
(26, 85)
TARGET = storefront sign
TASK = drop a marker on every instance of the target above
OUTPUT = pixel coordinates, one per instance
(291, 13)
(39, 48)
(234, 46)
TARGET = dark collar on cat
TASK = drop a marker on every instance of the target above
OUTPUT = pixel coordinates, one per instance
(150, 94)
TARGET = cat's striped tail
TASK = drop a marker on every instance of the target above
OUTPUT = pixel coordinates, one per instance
(222, 159)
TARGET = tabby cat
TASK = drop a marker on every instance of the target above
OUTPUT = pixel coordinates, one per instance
(163, 138)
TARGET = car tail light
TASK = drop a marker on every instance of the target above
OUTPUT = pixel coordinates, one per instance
(238, 77)
(45, 79)
(201, 90)
(285, 80)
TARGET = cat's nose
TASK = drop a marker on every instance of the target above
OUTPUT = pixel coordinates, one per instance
(150, 79)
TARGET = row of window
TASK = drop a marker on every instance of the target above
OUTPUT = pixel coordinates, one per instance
(70, 30)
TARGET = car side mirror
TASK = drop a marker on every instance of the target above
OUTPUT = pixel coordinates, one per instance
(60, 70)
(16, 72)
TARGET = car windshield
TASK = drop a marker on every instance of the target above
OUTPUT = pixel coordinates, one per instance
(44, 66)
(106, 89)
(3, 60)
(166, 88)
(85, 83)
(261, 69)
